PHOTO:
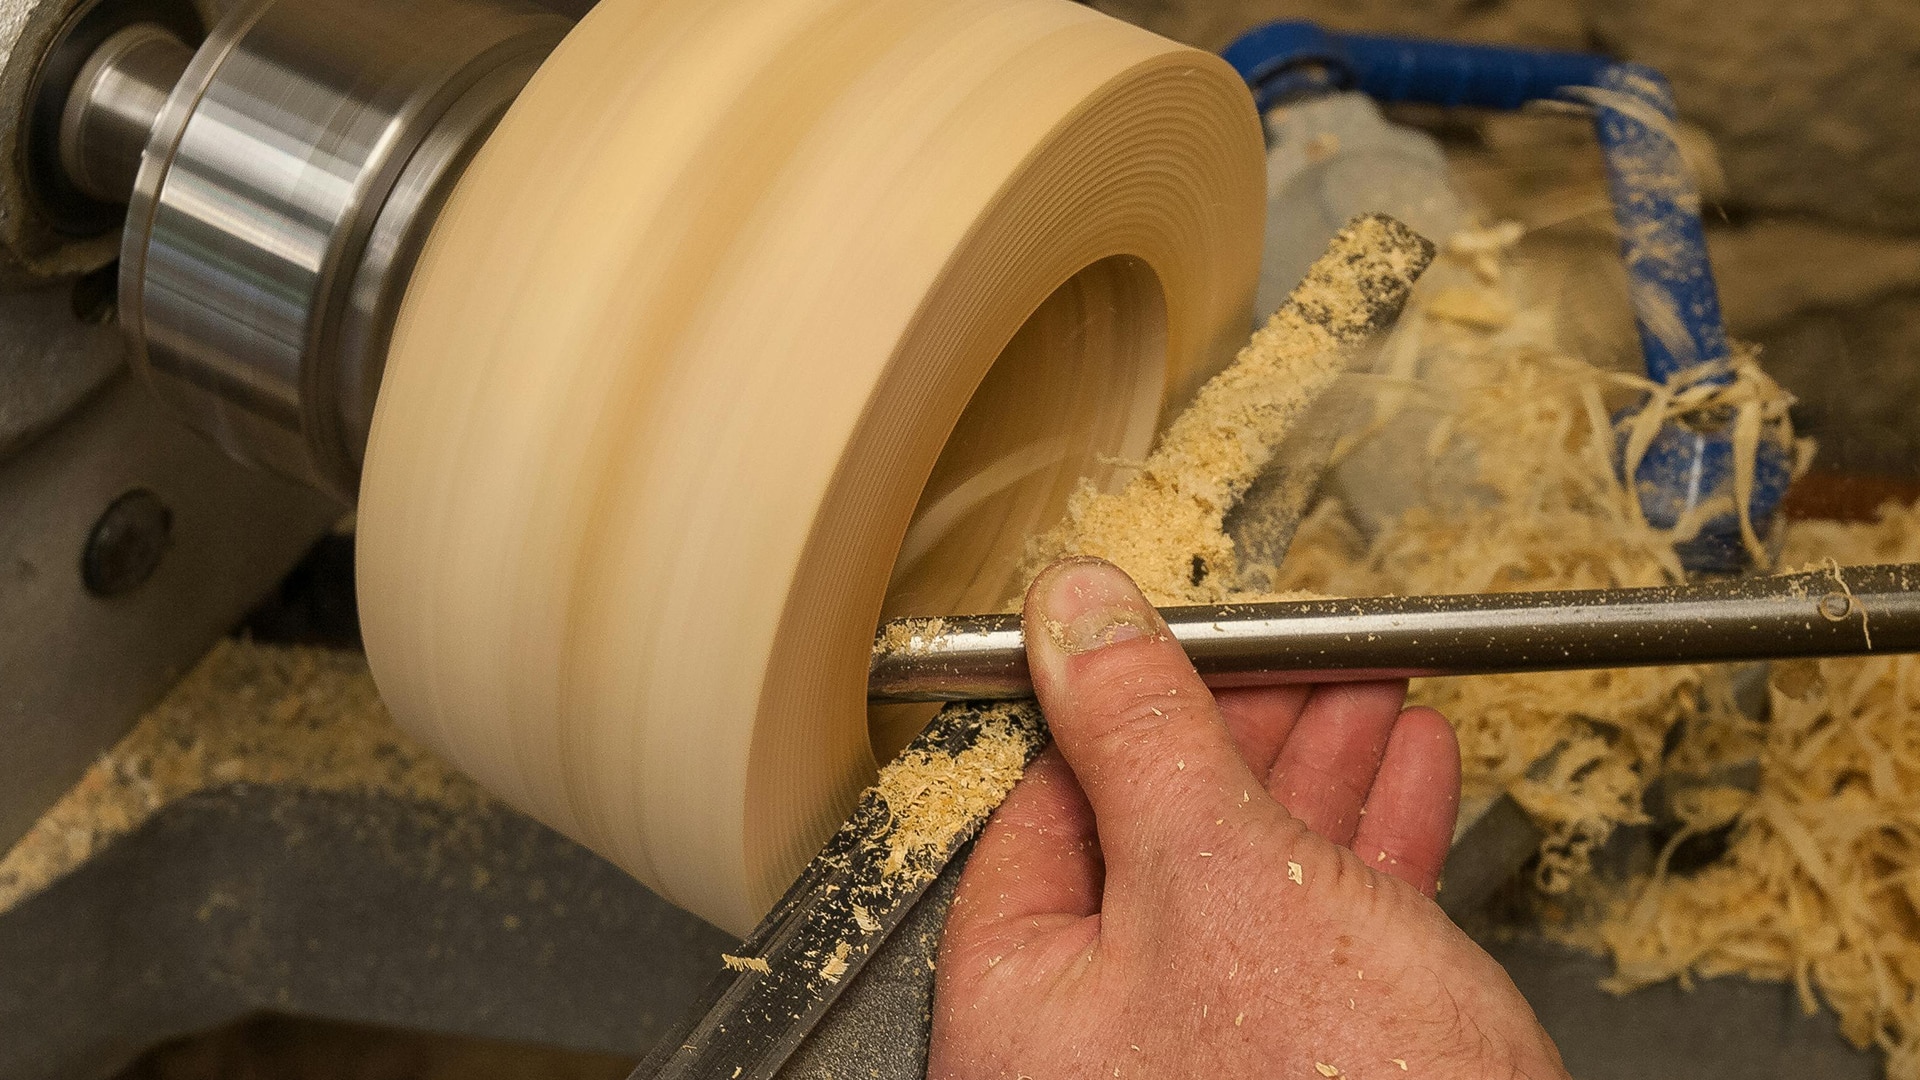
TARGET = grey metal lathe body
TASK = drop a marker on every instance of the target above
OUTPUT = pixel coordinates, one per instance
(130, 542)
(264, 178)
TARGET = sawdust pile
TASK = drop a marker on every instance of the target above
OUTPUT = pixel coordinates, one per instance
(248, 714)
(1521, 494)
(1516, 489)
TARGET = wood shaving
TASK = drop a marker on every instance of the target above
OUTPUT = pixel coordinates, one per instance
(1166, 527)
(1518, 490)
(1853, 602)
(746, 963)
(835, 966)
(1821, 883)
(1469, 307)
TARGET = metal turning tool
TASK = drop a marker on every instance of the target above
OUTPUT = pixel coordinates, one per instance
(755, 1021)
(1858, 611)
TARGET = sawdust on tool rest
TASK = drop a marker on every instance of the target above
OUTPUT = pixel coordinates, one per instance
(300, 718)
(933, 796)
(1165, 527)
(909, 636)
(835, 966)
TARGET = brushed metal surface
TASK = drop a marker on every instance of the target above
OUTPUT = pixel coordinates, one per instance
(51, 358)
(112, 107)
(285, 146)
(76, 670)
(1861, 610)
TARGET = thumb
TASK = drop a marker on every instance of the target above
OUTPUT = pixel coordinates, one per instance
(1133, 720)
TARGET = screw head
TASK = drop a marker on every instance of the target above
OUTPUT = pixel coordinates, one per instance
(126, 544)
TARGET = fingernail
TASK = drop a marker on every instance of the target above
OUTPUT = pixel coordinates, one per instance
(1088, 604)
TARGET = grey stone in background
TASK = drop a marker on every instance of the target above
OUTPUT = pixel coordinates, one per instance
(1813, 105)
(1857, 374)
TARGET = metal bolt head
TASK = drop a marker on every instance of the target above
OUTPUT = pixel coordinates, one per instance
(126, 544)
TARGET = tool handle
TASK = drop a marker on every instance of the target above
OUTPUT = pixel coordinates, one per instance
(1656, 206)
(1388, 68)
(1655, 203)
(1868, 610)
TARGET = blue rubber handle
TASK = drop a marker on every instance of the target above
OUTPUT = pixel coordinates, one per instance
(1281, 59)
(1662, 240)
(1655, 204)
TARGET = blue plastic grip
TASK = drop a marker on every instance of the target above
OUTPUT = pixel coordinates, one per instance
(1657, 209)
(1655, 204)
(1455, 76)
(1283, 59)
(1676, 307)
(1271, 57)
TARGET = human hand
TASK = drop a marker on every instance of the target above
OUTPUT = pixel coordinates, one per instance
(1186, 885)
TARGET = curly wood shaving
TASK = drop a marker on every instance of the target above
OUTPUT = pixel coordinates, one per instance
(1821, 884)
(1540, 505)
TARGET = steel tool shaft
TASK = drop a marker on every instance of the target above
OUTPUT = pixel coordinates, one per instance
(1832, 612)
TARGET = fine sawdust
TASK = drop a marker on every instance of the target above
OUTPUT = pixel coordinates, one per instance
(908, 636)
(248, 714)
(1166, 527)
(933, 796)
